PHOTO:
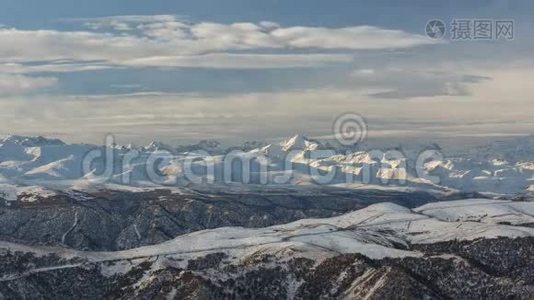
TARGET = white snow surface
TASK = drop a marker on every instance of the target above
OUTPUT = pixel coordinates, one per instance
(500, 168)
(375, 231)
(481, 210)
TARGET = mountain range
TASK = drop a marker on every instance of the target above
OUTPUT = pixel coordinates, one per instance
(133, 223)
(38, 163)
(456, 249)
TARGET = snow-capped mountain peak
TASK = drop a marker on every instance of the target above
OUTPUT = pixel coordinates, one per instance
(32, 141)
(299, 142)
(156, 146)
(42, 159)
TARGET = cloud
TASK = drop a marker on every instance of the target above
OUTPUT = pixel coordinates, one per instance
(241, 61)
(264, 115)
(47, 45)
(120, 23)
(15, 84)
(52, 67)
(357, 38)
(406, 82)
(125, 19)
(166, 41)
(266, 34)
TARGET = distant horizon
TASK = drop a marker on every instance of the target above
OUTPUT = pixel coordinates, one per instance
(450, 142)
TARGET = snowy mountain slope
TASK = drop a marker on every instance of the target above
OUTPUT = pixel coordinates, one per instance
(32, 141)
(481, 210)
(52, 163)
(124, 217)
(184, 239)
(377, 231)
(300, 142)
(384, 248)
(421, 226)
(11, 192)
(491, 268)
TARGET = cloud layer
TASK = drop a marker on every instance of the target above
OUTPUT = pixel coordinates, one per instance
(16, 84)
(396, 83)
(131, 75)
(163, 41)
(144, 116)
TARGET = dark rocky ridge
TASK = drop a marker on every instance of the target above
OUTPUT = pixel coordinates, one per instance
(115, 220)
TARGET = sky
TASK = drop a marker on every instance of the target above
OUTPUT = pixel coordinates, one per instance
(183, 71)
